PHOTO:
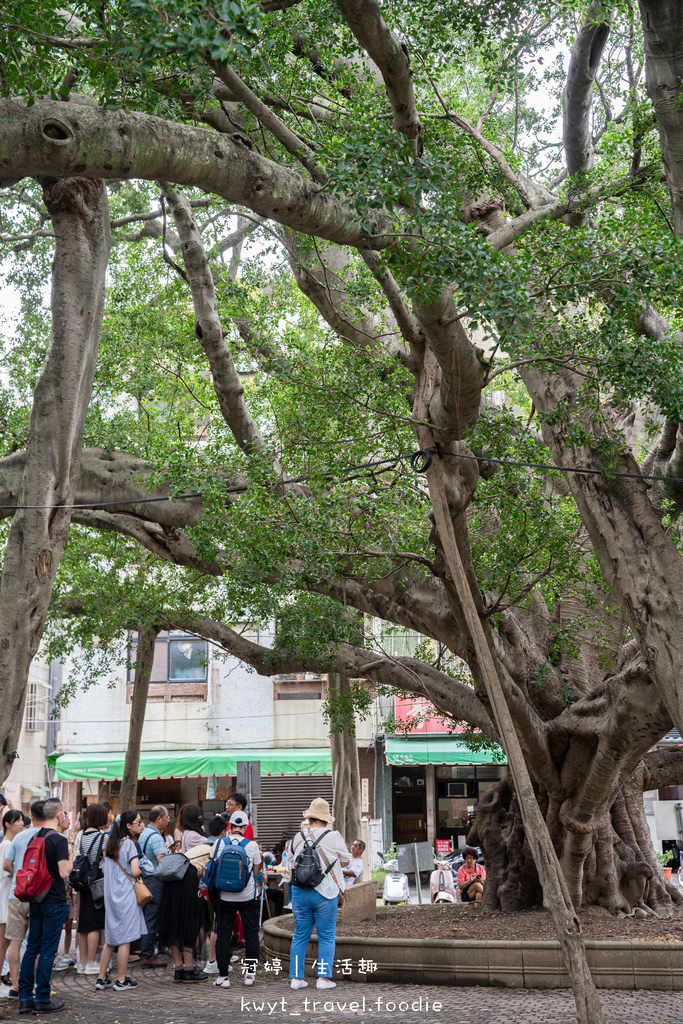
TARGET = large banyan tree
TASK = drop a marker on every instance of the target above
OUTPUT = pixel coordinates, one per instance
(294, 243)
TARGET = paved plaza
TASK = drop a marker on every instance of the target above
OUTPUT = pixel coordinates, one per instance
(157, 1000)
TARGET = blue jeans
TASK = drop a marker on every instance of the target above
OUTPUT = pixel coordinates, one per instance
(45, 923)
(310, 908)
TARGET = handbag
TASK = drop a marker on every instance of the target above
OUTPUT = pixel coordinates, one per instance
(142, 893)
(97, 892)
(172, 867)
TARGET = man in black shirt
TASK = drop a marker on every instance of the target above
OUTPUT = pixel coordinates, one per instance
(46, 919)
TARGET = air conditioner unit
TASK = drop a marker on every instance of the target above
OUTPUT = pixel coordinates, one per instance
(456, 789)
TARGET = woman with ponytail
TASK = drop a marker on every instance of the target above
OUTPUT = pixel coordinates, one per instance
(124, 921)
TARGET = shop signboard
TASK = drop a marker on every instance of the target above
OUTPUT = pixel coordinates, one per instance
(421, 715)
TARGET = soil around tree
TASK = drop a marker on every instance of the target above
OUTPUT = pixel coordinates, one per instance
(465, 921)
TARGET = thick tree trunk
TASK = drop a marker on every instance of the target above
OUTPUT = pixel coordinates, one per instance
(80, 218)
(144, 659)
(620, 873)
(555, 892)
(345, 773)
(662, 22)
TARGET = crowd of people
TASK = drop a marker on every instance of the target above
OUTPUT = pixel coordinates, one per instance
(129, 886)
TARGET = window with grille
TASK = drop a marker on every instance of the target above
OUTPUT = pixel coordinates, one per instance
(404, 644)
(34, 710)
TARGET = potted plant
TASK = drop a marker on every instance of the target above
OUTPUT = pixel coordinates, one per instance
(664, 859)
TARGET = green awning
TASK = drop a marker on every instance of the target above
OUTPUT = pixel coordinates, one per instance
(430, 750)
(166, 764)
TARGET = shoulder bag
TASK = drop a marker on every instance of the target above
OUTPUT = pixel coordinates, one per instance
(172, 867)
(142, 893)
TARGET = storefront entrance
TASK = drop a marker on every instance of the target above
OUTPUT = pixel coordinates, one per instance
(459, 788)
(409, 799)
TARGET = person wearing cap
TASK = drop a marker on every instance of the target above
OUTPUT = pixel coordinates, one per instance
(317, 906)
(243, 903)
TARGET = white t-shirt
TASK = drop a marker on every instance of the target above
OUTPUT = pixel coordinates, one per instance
(254, 854)
(5, 880)
(355, 865)
(332, 850)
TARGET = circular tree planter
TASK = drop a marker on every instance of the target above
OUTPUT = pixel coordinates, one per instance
(511, 964)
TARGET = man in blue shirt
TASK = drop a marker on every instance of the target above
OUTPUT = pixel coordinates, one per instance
(153, 848)
(17, 912)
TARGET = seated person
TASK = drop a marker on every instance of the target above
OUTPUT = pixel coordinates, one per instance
(355, 866)
(275, 896)
(471, 877)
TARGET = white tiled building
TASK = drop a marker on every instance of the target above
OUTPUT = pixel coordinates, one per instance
(205, 713)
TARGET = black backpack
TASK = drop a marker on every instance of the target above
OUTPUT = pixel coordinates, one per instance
(84, 871)
(307, 872)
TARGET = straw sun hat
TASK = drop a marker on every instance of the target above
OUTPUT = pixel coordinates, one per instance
(319, 809)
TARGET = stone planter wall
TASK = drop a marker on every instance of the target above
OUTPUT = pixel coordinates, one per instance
(624, 965)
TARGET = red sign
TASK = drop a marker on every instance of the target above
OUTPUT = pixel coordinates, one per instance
(443, 846)
(419, 714)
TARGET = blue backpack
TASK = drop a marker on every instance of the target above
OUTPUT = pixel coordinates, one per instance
(232, 867)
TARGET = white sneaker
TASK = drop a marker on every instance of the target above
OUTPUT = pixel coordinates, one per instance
(92, 968)
(211, 967)
(234, 958)
(249, 977)
(80, 967)
(222, 982)
(298, 983)
(325, 983)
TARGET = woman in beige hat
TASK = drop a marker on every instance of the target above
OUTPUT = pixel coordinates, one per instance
(316, 904)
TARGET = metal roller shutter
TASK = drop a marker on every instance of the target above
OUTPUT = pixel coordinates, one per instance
(283, 798)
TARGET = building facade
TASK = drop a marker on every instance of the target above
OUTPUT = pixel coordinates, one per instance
(205, 713)
(429, 781)
(30, 778)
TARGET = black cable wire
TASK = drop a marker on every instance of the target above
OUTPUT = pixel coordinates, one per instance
(420, 461)
(226, 490)
(425, 453)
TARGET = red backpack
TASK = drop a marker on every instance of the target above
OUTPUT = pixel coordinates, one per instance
(34, 881)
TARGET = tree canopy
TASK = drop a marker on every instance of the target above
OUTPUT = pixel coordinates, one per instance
(291, 245)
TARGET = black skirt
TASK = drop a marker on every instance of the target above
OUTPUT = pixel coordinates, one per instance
(179, 918)
(90, 917)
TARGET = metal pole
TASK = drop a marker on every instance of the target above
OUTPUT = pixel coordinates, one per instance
(417, 874)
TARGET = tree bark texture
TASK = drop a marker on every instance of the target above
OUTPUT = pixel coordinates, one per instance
(118, 145)
(345, 773)
(51, 468)
(577, 93)
(662, 22)
(144, 659)
(639, 562)
(556, 896)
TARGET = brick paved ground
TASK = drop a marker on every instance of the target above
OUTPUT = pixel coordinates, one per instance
(157, 1000)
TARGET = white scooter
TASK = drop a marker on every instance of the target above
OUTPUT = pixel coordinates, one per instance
(396, 888)
(442, 884)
